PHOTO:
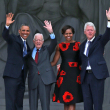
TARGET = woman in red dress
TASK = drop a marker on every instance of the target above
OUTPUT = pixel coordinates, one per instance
(68, 85)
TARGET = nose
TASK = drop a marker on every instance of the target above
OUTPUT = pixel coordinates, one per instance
(68, 34)
(25, 32)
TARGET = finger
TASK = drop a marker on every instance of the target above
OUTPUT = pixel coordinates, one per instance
(6, 15)
(50, 22)
(45, 27)
(106, 12)
(46, 22)
(12, 15)
(13, 21)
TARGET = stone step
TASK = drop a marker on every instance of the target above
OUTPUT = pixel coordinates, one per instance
(53, 105)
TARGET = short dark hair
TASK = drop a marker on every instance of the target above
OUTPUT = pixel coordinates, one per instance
(67, 27)
(24, 25)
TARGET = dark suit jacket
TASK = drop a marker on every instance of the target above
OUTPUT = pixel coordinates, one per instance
(43, 66)
(95, 56)
(15, 59)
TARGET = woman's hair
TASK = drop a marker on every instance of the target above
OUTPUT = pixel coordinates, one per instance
(67, 27)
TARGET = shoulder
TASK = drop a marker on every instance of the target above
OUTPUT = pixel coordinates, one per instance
(78, 43)
(63, 46)
(44, 47)
(83, 43)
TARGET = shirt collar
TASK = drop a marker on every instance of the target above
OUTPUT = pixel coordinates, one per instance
(22, 39)
(36, 49)
(91, 39)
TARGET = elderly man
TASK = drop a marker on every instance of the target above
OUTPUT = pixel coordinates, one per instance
(15, 69)
(94, 70)
(41, 75)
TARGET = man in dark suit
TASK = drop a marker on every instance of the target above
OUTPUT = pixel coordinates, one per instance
(15, 69)
(41, 75)
(94, 69)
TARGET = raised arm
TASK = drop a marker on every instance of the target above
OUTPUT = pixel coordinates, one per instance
(56, 56)
(9, 21)
(106, 36)
(53, 42)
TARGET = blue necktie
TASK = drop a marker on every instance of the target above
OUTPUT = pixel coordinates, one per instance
(24, 49)
(24, 52)
(87, 52)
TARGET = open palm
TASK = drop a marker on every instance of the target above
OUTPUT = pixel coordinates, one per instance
(48, 26)
(9, 18)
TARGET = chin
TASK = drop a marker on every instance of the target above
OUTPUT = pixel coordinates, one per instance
(38, 47)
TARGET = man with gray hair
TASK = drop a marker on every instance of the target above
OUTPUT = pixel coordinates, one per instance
(94, 69)
(41, 75)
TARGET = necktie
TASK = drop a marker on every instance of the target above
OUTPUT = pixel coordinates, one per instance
(36, 57)
(87, 52)
(24, 49)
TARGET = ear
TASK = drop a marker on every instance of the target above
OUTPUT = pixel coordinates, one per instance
(95, 32)
(19, 31)
(33, 41)
(84, 32)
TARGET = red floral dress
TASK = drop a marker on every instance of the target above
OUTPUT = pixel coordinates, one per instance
(68, 85)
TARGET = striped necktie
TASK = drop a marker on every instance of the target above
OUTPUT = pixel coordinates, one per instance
(24, 49)
(87, 52)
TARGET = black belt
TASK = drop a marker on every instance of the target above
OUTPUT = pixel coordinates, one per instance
(89, 71)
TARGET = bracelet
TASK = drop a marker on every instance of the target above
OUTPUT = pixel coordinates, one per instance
(108, 20)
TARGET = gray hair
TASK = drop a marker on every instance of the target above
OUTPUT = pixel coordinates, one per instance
(24, 25)
(38, 34)
(89, 24)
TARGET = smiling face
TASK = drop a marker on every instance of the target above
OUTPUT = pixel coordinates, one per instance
(89, 32)
(24, 32)
(68, 35)
(38, 41)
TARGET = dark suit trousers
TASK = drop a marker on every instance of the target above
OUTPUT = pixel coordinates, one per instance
(43, 91)
(93, 92)
(14, 92)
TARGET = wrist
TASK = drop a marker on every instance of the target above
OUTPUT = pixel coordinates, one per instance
(51, 32)
(7, 24)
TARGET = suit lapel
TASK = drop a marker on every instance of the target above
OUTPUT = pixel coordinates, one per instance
(93, 45)
(29, 55)
(83, 47)
(40, 54)
(19, 40)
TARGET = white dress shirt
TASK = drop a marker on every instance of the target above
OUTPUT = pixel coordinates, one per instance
(86, 46)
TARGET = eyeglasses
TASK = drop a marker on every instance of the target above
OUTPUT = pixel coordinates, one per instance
(36, 40)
